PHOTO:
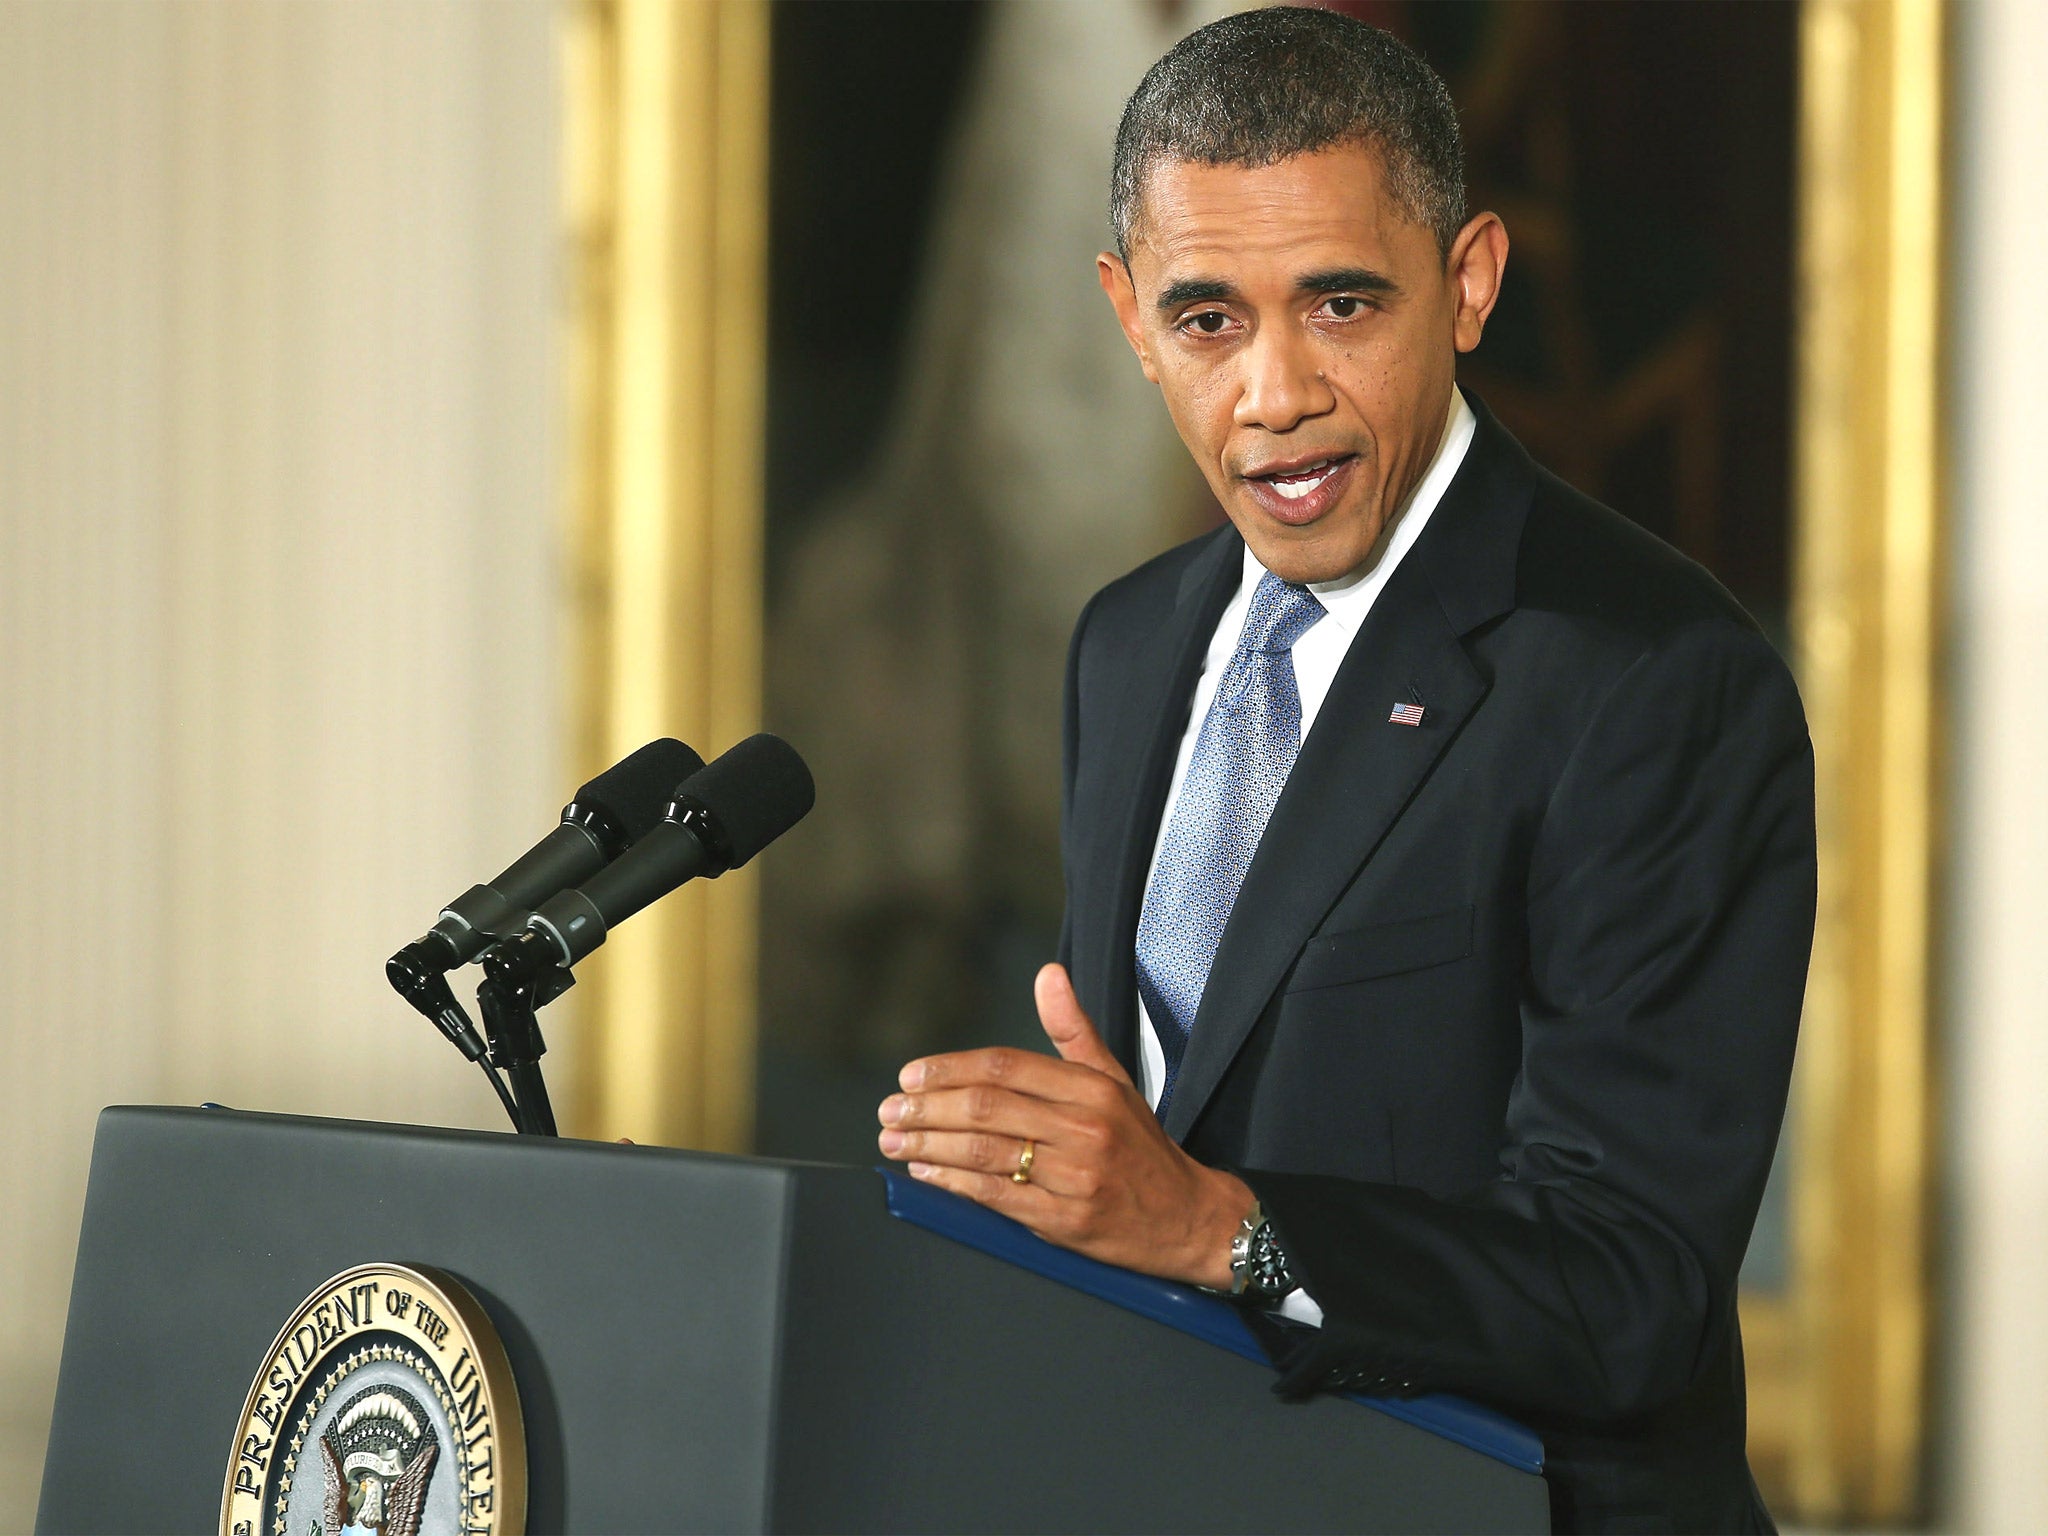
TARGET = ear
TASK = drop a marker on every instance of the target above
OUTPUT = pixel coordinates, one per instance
(1479, 257)
(1114, 273)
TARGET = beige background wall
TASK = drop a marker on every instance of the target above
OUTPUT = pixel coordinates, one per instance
(278, 604)
(1995, 1220)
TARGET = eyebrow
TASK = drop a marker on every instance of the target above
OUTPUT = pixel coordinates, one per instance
(1190, 290)
(1193, 290)
(1346, 279)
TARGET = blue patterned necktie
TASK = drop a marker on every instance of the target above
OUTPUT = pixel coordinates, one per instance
(1242, 757)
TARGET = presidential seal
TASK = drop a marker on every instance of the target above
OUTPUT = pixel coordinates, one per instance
(384, 1408)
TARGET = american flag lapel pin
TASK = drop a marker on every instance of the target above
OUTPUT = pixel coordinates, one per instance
(1409, 713)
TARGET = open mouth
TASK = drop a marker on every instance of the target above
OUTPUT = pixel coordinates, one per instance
(1301, 492)
(1309, 478)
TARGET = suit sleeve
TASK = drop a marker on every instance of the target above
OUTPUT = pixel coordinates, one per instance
(1670, 911)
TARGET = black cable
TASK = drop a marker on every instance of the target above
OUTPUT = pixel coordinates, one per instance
(532, 1093)
(504, 1095)
(512, 990)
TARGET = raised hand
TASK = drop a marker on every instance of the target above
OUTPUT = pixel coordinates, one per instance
(1103, 1178)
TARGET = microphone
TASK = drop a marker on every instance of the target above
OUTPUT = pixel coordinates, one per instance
(609, 814)
(722, 815)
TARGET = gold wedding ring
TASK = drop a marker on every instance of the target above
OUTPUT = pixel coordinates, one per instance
(1024, 1161)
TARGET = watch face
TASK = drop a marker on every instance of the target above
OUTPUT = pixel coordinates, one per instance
(1266, 1264)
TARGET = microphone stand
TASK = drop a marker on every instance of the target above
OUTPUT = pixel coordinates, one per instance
(513, 992)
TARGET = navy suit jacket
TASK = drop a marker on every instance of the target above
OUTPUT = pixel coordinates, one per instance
(1501, 1025)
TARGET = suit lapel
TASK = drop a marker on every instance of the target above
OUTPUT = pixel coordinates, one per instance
(1145, 735)
(1358, 771)
(1355, 774)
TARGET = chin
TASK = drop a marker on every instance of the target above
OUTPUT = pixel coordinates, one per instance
(1306, 560)
(1295, 570)
(1332, 546)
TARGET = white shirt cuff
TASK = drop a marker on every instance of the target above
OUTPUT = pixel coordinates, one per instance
(1300, 1307)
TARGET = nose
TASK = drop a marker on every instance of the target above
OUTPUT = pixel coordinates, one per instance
(1282, 385)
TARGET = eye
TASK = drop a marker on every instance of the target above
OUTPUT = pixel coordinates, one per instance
(1207, 322)
(1345, 306)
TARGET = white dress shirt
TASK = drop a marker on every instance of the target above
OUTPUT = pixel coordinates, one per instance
(1317, 656)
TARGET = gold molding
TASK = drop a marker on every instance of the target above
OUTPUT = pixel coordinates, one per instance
(666, 170)
(1839, 1370)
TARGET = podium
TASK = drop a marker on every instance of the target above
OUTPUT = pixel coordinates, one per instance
(705, 1343)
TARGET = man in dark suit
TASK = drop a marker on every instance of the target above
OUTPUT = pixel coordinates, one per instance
(1439, 846)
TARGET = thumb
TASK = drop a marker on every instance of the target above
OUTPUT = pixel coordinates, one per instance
(1072, 1035)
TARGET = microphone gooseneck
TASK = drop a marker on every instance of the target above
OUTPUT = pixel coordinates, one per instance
(606, 817)
(623, 845)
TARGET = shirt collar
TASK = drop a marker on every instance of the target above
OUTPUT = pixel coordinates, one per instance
(1350, 597)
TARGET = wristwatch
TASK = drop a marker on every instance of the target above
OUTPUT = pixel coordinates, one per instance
(1258, 1267)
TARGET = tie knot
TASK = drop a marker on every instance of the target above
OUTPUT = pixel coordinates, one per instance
(1281, 613)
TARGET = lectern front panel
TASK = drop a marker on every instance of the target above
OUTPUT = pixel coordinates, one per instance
(699, 1343)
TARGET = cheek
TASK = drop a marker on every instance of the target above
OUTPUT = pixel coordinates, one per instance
(1372, 365)
(1388, 378)
(1199, 399)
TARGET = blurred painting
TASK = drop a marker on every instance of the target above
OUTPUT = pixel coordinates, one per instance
(962, 450)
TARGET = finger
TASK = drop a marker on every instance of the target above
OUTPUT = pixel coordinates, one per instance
(1026, 1072)
(976, 1152)
(1027, 1203)
(993, 1111)
(1068, 1027)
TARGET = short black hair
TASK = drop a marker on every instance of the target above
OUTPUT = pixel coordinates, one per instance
(1265, 85)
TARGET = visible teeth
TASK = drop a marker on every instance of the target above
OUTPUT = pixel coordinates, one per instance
(1302, 481)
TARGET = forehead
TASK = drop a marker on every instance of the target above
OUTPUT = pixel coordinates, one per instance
(1330, 206)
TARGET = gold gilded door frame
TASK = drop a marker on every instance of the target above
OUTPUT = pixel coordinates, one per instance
(666, 180)
(1839, 1362)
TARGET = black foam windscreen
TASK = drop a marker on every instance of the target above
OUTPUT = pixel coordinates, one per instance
(634, 792)
(755, 792)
